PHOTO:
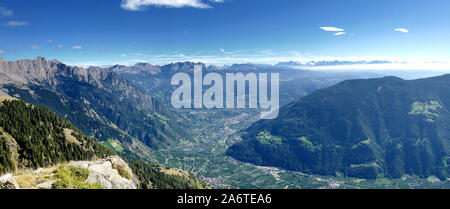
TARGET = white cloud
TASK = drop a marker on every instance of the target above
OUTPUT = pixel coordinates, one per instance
(403, 30)
(50, 41)
(16, 23)
(2, 52)
(332, 29)
(340, 33)
(77, 47)
(34, 47)
(60, 46)
(135, 5)
(222, 50)
(5, 12)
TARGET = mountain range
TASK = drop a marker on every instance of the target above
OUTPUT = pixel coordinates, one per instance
(99, 101)
(330, 63)
(155, 79)
(330, 123)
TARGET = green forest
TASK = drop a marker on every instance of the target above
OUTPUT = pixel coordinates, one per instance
(152, 177)
(32, 137)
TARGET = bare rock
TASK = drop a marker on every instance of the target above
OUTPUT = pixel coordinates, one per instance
(7, 182)
(46, 185)
(106, 173)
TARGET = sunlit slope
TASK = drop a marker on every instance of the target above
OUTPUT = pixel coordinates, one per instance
(360, 128)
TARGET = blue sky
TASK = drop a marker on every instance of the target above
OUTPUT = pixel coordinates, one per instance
(105, 32)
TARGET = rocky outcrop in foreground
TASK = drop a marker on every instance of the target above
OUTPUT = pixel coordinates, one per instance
(7, 182)
(111, 173)
(108, 173)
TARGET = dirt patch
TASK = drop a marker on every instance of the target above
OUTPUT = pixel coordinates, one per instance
(69, 137)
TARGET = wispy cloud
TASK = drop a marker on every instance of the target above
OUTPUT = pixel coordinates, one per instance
(332, 29)
(5, 12)
(35, 47)
(51, 41)
(77, 48)
(16, 23)
(102, 49)
(257, 56)
(403, 30)
(7, 51)
(263, 56)
(135, 5)
(340, 33)
(60, 46)
(222, 50)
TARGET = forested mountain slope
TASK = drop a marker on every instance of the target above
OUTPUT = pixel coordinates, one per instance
(362, 128)
(33, 137)
(112, 106)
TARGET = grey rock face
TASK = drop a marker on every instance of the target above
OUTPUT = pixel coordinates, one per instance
(30, 70)
(105, 172)
(46, 185)
(138, 68)
(53, 73)
(168, 69)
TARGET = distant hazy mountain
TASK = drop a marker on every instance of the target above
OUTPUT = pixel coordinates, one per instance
(360, 128)
(330, 63)
(155, 79)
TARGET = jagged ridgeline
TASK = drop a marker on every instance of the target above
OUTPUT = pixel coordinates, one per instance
(32, 137)
(98, 101)
(156, 79)
(361, 128)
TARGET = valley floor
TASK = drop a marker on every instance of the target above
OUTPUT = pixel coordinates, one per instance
(207, 160)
